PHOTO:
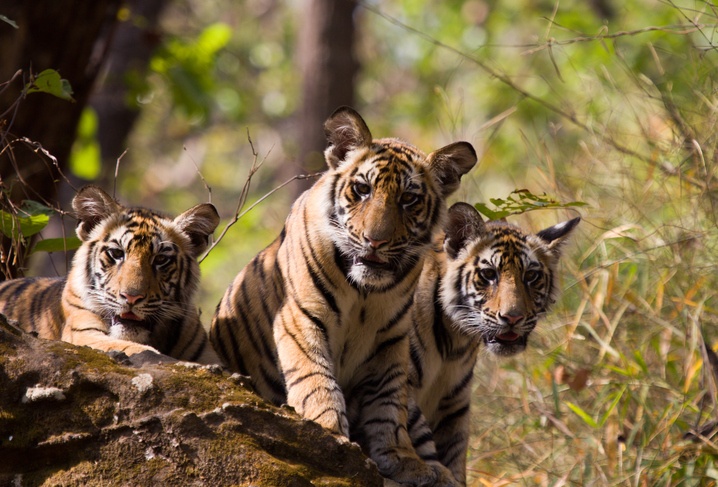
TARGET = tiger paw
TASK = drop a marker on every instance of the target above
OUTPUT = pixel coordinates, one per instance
(444, 477)
(415, 472)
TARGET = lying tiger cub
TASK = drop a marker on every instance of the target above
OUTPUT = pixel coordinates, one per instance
(132, 284)
(490, 284)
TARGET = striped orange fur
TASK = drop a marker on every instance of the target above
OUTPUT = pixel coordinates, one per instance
(489, 284)
(132, 283)
(320, 318)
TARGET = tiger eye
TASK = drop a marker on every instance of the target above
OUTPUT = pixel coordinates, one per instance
(115, 253)
(161, 260)
(488, 274)
(408, 199)
(531, 276)
(361, 189)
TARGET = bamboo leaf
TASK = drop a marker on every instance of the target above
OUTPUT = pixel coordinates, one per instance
(582, 414)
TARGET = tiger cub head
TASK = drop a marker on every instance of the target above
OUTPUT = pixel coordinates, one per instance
(386, 199)
(499, 279)
(137, 269)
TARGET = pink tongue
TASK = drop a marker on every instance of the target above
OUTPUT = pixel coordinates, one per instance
(130, 316)
(508, 337)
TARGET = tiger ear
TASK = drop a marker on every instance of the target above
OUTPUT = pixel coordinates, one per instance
(345, 131)
(465, 224)
(92, 205)
(557, 235)
(450, 163)
(198, 223)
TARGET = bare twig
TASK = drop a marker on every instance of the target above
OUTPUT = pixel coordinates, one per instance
(201, 176)
(503, 78)
(117, 172)
(245, 193)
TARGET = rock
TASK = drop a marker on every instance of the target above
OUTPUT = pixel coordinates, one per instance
(77, 416)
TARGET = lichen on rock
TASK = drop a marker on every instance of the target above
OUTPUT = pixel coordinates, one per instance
(77, 416)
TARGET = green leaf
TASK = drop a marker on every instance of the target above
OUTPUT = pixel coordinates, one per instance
(582, 414)
(57, 245)
(613, 405)
(14, 226)
(522, 201)
(49, 81)
(30, 219)
(9, 21)
(489, 213)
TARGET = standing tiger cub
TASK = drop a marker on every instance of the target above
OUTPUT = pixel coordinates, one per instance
(132, 284)
(320, 318)
(490, 284)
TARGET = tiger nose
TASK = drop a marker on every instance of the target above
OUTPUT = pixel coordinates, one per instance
(375, 244)
(512, 319)
(132, 298)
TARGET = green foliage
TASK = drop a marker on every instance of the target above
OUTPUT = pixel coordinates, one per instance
(50, 82)
(188, 66)
(521, 201)
(30, 219)
(85, 158)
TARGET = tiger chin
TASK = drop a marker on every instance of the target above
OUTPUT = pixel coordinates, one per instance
(320, 318)
(488, 285)
(132, 284)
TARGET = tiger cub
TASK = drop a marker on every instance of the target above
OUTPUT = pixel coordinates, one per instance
(490, 284)
(132, 283)
(320, 318)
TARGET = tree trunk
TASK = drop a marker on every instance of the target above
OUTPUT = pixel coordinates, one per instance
(328, 67)
(132, 47)
(72, 38)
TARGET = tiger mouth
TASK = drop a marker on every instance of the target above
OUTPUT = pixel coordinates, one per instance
(372, 261)
(507, 339)
(129, 318)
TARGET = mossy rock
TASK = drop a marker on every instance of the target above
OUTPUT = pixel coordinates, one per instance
(76, 416)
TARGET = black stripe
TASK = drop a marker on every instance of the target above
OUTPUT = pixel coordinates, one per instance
(398, 316)
(317, 322)
(442, 340)
(450, 418)
(319, 284)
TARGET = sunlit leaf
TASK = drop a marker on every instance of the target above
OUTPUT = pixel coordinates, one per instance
(613, 405)
(30, 219)
(582, 414)
(522, 201)
(14, 226)
(49, 81)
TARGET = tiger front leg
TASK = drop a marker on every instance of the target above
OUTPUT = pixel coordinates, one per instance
(308, 369)
(452, 436)
(84, 328)
(380, 402)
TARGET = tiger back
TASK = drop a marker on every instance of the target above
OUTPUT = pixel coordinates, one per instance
(320, 318)
(489, 284)
(131, 286)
